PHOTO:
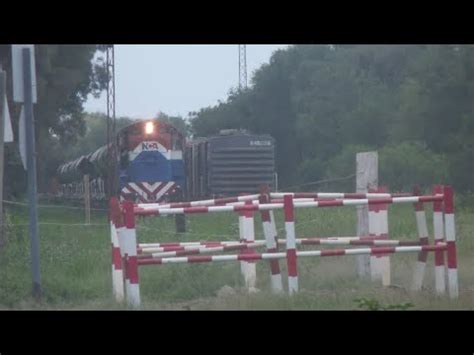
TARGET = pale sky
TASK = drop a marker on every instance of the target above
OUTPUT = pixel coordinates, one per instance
(176, 79)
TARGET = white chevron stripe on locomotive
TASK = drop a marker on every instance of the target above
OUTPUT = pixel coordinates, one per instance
(167, 187)
(147, 192)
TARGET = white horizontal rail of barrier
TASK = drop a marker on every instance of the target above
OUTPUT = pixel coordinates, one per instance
(201, 203)
(190, 250)
(282, 255)
(273, 206)
(227, 242)
(336, 195)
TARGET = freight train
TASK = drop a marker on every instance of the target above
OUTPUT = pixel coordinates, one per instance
(230, 163)
(157, 164)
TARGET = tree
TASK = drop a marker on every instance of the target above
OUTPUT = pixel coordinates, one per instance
(66, 75)
(177, 122)
(411, 102)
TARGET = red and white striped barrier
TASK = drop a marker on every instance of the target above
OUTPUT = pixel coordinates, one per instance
(203, 249)
(152, 248)
(270, 233)
(211, 202)
(378, 227)
(308, 196)
(190, 246)
(438, 231)
(230, 242)
(334, 195)
(282, 255)
(353, 241)
(117, 271)
(451, 242)
(162, 253)
(423, 237)
(247, 235)
(290, 245)
(272, 206)
(130, 251)
(208, 243)
(153, 252)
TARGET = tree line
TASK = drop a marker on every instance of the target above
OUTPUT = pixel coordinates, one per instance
(65, 76)
(322, 104)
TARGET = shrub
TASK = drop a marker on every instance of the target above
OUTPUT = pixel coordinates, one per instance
(410, 163)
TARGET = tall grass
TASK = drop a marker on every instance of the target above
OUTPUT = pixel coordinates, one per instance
(76, 266)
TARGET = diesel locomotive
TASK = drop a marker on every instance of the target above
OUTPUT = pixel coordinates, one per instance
(157, 164)
(150, 165)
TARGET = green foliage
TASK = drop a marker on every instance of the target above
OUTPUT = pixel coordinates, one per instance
(413, 103)
(94, 137)
(344, 164)
(66, 75)
(177, 122)
(407, 164)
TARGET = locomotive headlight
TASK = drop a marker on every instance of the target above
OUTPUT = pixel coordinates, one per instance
(149, 128)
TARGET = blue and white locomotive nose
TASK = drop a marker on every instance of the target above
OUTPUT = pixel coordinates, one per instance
(151, 166)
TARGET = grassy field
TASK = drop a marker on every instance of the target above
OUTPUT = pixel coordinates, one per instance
(76, 266)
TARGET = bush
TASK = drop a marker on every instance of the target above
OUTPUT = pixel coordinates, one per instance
(404, 165)
(400, 166)
(309, 170)
(344, 164)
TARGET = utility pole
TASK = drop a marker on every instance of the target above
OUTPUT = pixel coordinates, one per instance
(3, 89)
(112, 178)
(31, 167)
(24, 93)
(242, 67)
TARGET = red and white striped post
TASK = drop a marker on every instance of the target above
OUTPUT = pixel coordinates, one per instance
(378, 227)
(270, 233)
(290, 244)
(247, 235)
(242, 239)
(438, 231)
(423, 237)
(117, 270)
(451, 241)
(132, 284)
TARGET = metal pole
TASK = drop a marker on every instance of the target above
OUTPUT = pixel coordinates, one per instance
(2, 151)
(31, 167)
(114, 133)
(180, 219)
(240, 69)
(109, 159)
(112, 173)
